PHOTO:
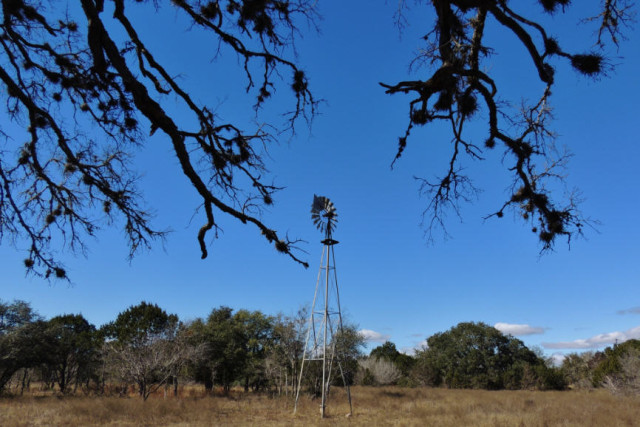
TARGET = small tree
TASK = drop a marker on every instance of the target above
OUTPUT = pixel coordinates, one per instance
(627, 379)
(225, 357)
(287, 348)
(349, 344)
(388, 351)
(610, 361)
(143, 347)
(577, 369)
(377, 371)
(235, 348)
(24, 342)
(75, 351)
(476, 355)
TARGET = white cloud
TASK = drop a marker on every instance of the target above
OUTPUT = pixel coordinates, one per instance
(557, 359)
(373, 336)
(596, 341)
(516, 329)
(411, 351)
(632, 310)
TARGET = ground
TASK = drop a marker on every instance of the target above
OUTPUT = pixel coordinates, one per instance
(383, 406)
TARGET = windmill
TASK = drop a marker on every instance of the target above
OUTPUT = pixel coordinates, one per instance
(325, 323)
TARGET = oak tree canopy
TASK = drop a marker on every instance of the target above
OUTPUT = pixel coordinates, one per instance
(81, 89)
(82, 82)
(460, 88)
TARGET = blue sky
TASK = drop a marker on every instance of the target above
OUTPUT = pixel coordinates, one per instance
(393, 284)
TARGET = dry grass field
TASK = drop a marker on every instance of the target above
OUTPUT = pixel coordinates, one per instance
(385, 406)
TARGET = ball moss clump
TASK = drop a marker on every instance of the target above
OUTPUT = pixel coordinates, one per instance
(282, 246)
(551, 46)
(130, 123)
(444, 102)
(467, 104)
(546, 237)
(70, 168)
(588, 64)
(299, 82)
(420, 117)
(551, 6)
(210, 10)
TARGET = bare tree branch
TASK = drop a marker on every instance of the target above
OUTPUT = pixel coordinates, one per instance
(458, 89)
(53, 185)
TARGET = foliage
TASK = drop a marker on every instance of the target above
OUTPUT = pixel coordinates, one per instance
(75, 351)
(463, 86)
(235, 348)
(141, 324)
(388, 351)
(256, 336)
(286, 350)
(144, 347)
(385, 351)
(16, 314)
(627, 379)
(83, 85)
(610, 364)
(349, 344)
(476, 355)
(343, 352)
(224, 357)
(24, 342)
(578, 369)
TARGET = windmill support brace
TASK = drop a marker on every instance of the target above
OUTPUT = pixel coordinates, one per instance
(323, 347)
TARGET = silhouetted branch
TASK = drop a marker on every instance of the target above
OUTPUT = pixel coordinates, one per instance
(458, 89)
(53, 186)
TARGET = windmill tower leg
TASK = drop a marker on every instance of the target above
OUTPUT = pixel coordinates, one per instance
(325, 380)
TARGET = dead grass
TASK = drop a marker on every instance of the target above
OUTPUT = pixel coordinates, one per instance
(385, 406)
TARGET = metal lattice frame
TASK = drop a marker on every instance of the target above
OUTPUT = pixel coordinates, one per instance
(320, 343)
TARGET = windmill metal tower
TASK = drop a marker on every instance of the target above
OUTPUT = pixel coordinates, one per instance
(325, 321)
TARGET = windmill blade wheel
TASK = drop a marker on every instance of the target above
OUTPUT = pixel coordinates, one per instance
(324, 214)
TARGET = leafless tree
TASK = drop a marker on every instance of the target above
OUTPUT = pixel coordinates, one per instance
(152, 364)
(627, 381)
(285, 355)
(82, 86)
(460, 87)
(384, 372)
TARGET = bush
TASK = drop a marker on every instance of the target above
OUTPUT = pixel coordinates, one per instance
(627, 379)
(374, 371)
(476, 355)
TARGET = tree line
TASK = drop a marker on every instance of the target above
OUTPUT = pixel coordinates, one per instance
(147, 349)
(478, 356)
